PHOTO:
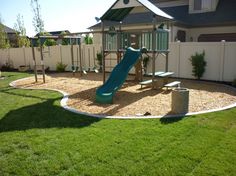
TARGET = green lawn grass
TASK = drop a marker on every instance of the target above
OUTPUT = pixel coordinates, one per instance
(38, 137)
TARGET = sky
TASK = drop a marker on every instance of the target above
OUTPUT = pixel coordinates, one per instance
(72, 15)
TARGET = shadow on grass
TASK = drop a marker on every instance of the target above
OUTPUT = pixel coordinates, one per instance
(168, 120)
(10, 91)
(43, 115)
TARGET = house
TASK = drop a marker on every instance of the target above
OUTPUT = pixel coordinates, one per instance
(64, 41)
(194, 20)
(11, 35)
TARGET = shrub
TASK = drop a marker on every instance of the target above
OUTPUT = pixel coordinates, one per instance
(198, 63)
(50, 42)
(8, 66)
(234, 82)
(61, 67)
(99, 59)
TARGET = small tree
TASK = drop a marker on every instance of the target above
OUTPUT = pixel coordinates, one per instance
(198, 63)
(22, 40)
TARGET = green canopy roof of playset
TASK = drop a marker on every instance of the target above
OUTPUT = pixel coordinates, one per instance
(121, 8)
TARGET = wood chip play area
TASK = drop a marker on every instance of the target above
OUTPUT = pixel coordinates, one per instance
(130, 99)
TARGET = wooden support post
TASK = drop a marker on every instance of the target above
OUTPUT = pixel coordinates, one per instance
(42, 63)
(89, 69)
(167, 54)
(34, 61)
(153, 50)
(94, 58)
(141, 79)
(103, 52)
(167, 61)
(119, 44)
(72, 58)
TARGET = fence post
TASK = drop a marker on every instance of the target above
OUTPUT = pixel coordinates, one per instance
(9, 56)
(178, 59)
(222, 59)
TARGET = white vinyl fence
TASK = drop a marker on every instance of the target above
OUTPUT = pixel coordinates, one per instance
(52, 55)
(220, 57)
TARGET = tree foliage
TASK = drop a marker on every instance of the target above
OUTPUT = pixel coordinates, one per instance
(48, 41)
(22, 39)
(65, 41)
(37, 19)
(88, 40)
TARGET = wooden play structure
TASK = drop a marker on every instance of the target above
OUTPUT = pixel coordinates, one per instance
(155, 40)
(124, 42)
(77, 54)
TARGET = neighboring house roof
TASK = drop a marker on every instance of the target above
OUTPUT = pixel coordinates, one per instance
(59, 32)
(8, 30)
(225, 14)
(56, 32)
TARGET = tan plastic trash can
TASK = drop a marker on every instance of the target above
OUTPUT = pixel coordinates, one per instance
(180, 100)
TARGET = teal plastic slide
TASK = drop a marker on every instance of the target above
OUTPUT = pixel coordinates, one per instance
(105, 93)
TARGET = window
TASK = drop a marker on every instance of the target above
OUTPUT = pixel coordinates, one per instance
(181, 35)
(197, 5)
(206, 4)
(202, 5)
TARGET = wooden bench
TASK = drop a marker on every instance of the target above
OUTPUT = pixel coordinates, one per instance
(145, 82)
(165, 74)
(173, 84)
(160, 74)
(163, 78)
(156, 73)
